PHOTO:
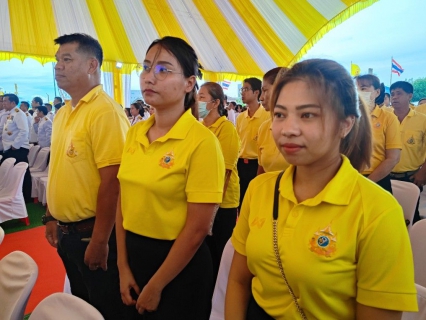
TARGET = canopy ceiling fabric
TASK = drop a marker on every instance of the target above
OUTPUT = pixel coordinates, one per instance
(233, 38)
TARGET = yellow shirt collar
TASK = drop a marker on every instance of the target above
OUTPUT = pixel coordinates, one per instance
(377, 111)
(218, 122)
(338, 191)
(258, 112)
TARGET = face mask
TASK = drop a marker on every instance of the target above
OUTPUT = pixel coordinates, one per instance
(366, 97)
(202, 109)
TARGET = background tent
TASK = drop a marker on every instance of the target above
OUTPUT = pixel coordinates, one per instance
(233, 38)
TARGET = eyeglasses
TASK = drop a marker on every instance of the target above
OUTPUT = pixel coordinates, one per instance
(160, 71)
(244, 89)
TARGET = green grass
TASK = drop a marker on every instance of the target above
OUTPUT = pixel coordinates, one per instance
(35, 211)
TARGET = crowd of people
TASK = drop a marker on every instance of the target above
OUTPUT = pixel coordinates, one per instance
(141, 202)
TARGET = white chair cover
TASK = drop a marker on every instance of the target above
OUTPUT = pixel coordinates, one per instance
(18, 274)
(1, 235)
(407, 194)
(5, 170)
(421, 301)
(32, 154)
(12, 203)
(418, 245)
(35, 181)
(65, 307)
(41, 191)
(40, 163)
(218, 300)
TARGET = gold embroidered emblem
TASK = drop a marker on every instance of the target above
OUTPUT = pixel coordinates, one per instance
(323, 242)
(16, 110)
(131, 150)
(71, 152)
(45, 118)
(255, 138)
(9, 133)
(168, 160)
(411, 140)
(258, 222)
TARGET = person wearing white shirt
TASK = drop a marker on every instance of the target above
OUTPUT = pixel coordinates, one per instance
(15, 138)
(135, 109)
(231, 112)
(3, 117)
(43, 127)
(35, 103)
(24, 107)
(50, 113)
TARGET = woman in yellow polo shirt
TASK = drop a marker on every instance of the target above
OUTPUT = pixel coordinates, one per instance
(211, 109)
(269, 157)
(324, 242)
(386, 136)
(166, 209)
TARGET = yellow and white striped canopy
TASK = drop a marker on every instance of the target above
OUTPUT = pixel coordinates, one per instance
(233, 38)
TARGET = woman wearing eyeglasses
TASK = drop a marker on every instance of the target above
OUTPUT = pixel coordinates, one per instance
(165, 211)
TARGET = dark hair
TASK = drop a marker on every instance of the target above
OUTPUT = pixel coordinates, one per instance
(404, 85)
(272, 74)
(86, 44)
(38, 100)
(42, 109)
(334, 87)
(216, 91)
(12, 98)
(26, 103)
(381, 97)
(137, 105)
(58, 105)
(369, 79)
(188, 60)
(31, 111)
(48, 105)
(239, 106)
(233, 103)
(255, 84)
(387, 95)
(59, 99)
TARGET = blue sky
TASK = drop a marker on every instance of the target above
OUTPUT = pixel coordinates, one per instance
(369, 38)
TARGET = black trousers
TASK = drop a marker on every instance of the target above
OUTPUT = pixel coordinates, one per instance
(416, 213)
(247, 171)
(21, 155)
(98, 287)
(187, 296)
(223, 226)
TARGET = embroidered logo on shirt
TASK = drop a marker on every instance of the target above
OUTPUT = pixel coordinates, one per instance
(131, 150)
(378, 125)
(411, 140)
(71, 152)
(255, 138)
(16, 110)
(168, 160)
(323, 242)
(258, 222)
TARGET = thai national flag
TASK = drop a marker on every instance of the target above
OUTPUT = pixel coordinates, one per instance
(226, 84)
(396, 68)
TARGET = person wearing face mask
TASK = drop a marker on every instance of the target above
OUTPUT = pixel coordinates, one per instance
(386, 138)
(211, 109)
(269, 157)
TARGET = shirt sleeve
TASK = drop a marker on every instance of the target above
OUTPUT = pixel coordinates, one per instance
(230, 143)
(22, 125)
(393, 136)
(242, 229)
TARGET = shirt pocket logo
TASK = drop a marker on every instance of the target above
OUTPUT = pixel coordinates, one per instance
(323, 242)
(168, 160)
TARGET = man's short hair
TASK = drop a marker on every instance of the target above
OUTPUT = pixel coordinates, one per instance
(255, 84)
(38, 100)
(86, 44)
(59, 99)
(42, 109)
(404, 85)
(26, 104)
(12, 98)
(48, 105)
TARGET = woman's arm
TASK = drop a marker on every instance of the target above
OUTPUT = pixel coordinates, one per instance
(239, 289)
(364, 312)
(197, 226)
(384, 168)
(127, 281)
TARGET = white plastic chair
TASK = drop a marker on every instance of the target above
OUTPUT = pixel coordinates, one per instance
(35, 181)
(40, 163)
(32, 154)
(12, 203)
(418, 245)
(65, 307)
(407, 194)
(1, 235)
(18, 274)
(218, 300)
(5, 170)
(41, 191)
(421, 301)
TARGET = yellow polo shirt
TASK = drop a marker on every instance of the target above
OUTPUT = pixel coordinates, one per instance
(385, 129)
(248, 128)
(158, 179)
(225, 131)
(347, 244)
(421, 108)
(413, 136)
(269, 157)
(84, 140)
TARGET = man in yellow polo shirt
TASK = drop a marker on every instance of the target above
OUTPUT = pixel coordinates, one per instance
(411, 166)
(87, 143)
(248, 123)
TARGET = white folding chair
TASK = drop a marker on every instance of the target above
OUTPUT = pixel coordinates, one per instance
(64, 306)
(407, 194)
(421, 301)
(1, 235)
(32, 154)
(218, 300)
(35, 180)
(41, 191)
(418, 245)
(12, 203)
(18, 274)
(5, 170)
(40, 163)
(1, 157)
